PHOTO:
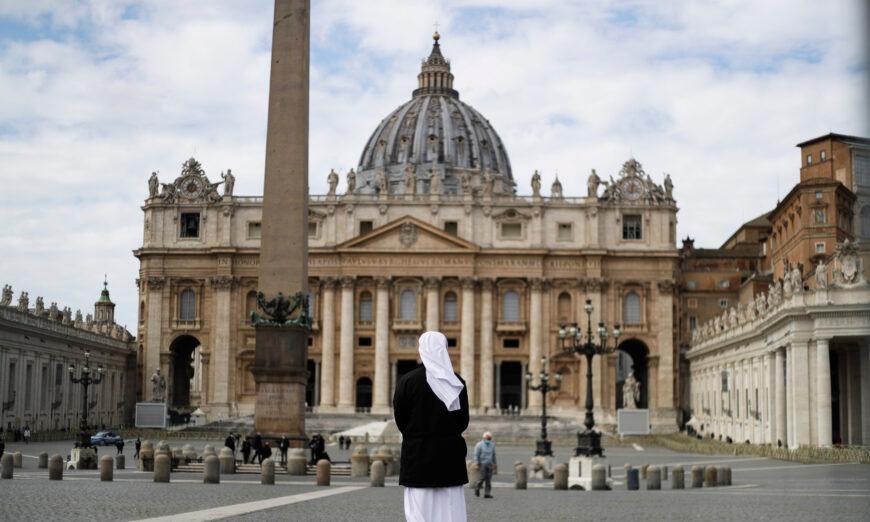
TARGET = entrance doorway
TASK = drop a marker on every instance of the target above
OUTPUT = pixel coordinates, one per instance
(510, 393)
(182, 371)
(364, 393)
(311, 383)
(632, 358)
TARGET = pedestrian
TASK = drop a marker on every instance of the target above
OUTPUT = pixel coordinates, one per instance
(246, 451)
(230, 442)
(2, 446)
(341, 442)
(26, 434)
(484, 456)
(312, 446)
(431, 410)
(137, 446)
(265, 453)
(120, 446)
(257, 445)
(284, 445)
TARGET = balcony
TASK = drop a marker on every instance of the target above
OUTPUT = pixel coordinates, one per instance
(510, 327)
(184, 324)
(405, 325)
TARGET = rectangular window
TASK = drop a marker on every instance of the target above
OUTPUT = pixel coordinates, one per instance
(451, 342)
(723, 303)
(365, 342)
(631, 227)
(255, 230)
(451, 227)
(365, 227)
(189, 225)
(10, 383)
(822, 155)
(809, 159)
(510, 343)
(818, 195)
(511, 230)
(862, 170)
(311, 341)
(365, 308)
(28, 386)
(564, 232)
(312, 228)
(58, 376)
(819, 216)
(691, 284)
(820, 248)
(724, 283)
(693, 323)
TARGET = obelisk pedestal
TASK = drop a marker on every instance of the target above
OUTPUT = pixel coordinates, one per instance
(281, 353)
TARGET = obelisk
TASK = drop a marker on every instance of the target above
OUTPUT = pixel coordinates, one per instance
(280, 370)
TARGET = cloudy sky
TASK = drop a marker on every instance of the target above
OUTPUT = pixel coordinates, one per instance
(94, 95)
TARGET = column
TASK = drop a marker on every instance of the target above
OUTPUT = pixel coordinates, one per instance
(381, 402)
(153, 332)
(665, 320)
(327, 364)
(823, 393)
(432, 304)
(466, 354)
(497, 391)
(345, 355)
(770, 379)
(220, 400)
(864, 354)
(316, 392)
(536, 326)
(789, 394)
(801, 389)
(524, 388)
(486, 328)
(781, 397)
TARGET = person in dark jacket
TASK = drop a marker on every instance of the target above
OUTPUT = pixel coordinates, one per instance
(264, 453)
(120, 446)
(283, 446)
(137, 446)
(230, 442)
(431, 410)
(246, 451)
(257, 446)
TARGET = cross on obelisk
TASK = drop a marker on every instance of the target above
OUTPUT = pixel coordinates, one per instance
(280, 365)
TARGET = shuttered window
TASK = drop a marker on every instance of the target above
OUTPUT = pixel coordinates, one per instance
(510, 311)
(450, 309)
(631, 308)
(408, 305)
(365, 307)
(187, 305)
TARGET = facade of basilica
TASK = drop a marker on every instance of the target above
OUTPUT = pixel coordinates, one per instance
(426, 234)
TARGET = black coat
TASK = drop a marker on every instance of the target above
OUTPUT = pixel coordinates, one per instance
(433, 450)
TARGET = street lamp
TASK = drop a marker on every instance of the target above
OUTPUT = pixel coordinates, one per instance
(571, 337)
(86, 379)
(543, 447)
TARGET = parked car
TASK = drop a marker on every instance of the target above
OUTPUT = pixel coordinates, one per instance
(105, 438)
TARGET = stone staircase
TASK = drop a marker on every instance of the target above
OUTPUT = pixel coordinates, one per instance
(339, 469)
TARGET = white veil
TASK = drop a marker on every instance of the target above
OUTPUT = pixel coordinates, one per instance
(439, 370)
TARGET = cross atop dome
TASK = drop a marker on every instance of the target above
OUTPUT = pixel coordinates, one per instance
(435, 76)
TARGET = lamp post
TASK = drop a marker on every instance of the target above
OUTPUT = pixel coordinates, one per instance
(85, 379)
(571, 337)
(544, 447)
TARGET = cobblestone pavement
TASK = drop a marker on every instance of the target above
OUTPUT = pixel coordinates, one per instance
(763, 489)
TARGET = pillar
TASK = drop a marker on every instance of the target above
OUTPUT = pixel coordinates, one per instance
(801, 389)
(466, 359)
(381, 399)
(327, 364)
(486, 362)
(781, 397)
(770, 403)
(823, 393)
(864, 354)
(154, 333)
(665, 319)
(220, 400)
(345, 354)
(536, 326)
(432, 304)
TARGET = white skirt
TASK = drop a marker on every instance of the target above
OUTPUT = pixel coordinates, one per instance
(435, 504)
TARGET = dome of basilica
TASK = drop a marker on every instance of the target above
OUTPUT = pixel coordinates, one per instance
(434, 134)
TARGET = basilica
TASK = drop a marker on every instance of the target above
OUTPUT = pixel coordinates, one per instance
(427, 233)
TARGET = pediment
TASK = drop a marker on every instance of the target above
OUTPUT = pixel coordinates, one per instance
(407, 234)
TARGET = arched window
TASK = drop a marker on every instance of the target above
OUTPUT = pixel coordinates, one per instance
(450, 313)
(510, 307)
(865, 221)
(408, 305)
(187, 305)
(564, 307)
(365, 307)
(631, 308)
(250, 305)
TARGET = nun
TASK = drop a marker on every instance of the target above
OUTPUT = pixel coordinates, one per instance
(431, 409)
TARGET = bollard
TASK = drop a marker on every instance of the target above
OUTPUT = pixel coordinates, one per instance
(146, 456)
(378, 473)
(106, 463)
(664, 472)
(208, 450)
(473, 473)
(643, 470)
(6, 466)
(227, 461)
(296, 461)
(697, 476)
(43, 460)
(727, 472)
(359, 462)
(17, 459)
(55, 468)
(720, 476)
(211, 470)
(560, 476)
(627, 468)
(632, 482)
(397, 460)
(383, 453)
(120, 461)
(324, 469)
(653, 478)
(521, 477)
(176, 453)
(267, 472)
(599, 479)
(678, 478)
(161, 467)
(710, 477)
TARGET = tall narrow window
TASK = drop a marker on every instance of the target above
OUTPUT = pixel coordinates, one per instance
(365, 307)
(28, 386)
(510, 307)
(631, 308)
(187, 305)
(408, 305)
(312, 305)
(44, 387)
(189, 223)
(250, 305)
(564, 307)
(450, 313)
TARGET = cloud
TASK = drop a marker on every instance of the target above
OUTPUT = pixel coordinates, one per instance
(95, 95)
